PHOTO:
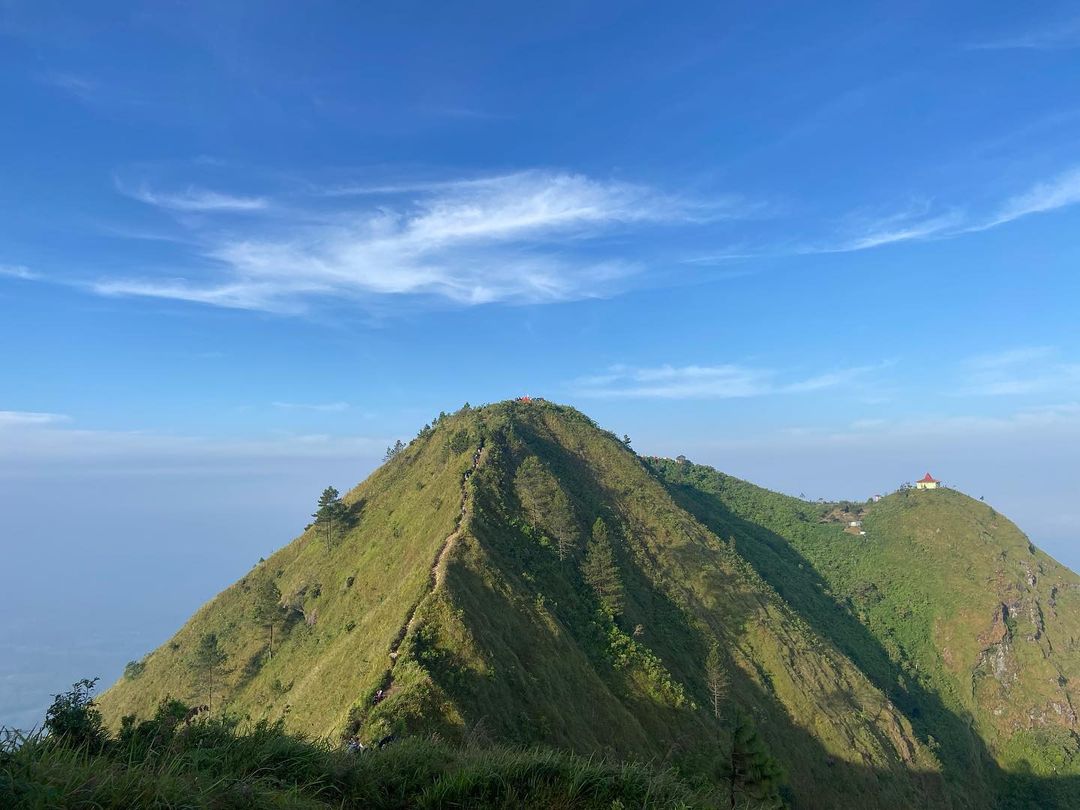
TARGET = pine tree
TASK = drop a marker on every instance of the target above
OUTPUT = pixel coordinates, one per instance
(267, 609)
(717, 679)
(600, 570)
(207, 658)
(755, 775)
(330, 509)
(394, 450)
(565, 544)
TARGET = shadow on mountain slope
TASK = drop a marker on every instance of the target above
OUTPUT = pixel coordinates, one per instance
(517, 643)
(550, 684)
(975, 777)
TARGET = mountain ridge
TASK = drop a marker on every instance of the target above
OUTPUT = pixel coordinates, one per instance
(501, 637)
(911, 603)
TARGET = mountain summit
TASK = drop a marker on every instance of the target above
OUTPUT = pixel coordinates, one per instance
(517, 574)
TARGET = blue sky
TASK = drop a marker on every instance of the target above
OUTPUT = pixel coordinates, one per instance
(246, 246)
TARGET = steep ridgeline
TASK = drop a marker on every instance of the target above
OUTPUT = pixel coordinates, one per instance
(971, 631)
(460, 597)
(435, 579)
(343, 608)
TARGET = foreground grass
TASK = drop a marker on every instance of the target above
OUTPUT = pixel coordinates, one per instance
(216, 764)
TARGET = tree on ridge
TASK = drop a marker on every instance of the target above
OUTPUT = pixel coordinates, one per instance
(601, 571)
(267, 609)
(207, 658)
(755, 776)
(717, 679)
(330, 508)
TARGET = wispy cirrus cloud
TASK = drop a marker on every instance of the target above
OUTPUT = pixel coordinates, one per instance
(858, 231)
(1063, 416)
(18, 271)
(1058, 35)
(1018, 372)
(81, 87)
(192, 198)
(524, 237)
(327, 407)
(114, 91)
(1058, 192)
(30, 418)
(725, 381)
(413, 186)
(467, 113)
(903, 226)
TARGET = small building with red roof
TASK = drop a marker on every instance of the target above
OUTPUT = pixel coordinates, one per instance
(927, 482)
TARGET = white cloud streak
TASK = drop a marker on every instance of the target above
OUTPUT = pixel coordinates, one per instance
(728, 381)
(329, 407)
(515, 238)
(415, 186)
(16, 419)
(898, 228)
(18, 271)
(1061, 419)
(1052, 37)
(1061, 191)
(194, 199)
(82, 88)
(525, 237)
(1018, 372)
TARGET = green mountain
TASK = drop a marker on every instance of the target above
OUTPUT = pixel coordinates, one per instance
(464, 590)
(971, 631)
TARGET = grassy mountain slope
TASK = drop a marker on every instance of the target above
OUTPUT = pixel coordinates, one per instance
(451, 561)
(944, 604)
(551, 473)
(342, 606)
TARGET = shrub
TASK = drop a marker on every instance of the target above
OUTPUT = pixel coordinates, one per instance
(134, 669)
(74, 720)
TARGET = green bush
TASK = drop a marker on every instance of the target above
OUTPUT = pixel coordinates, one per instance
(74, 720)
(134, 669)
